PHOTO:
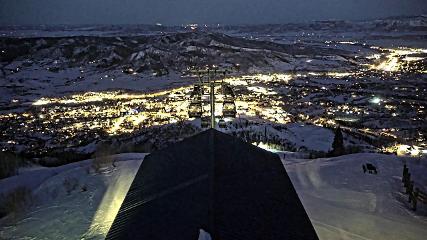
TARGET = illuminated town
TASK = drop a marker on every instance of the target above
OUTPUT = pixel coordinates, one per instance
(328, 99)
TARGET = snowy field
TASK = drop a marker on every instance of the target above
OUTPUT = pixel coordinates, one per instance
(341, 201)
(77, 214)
(344, 203)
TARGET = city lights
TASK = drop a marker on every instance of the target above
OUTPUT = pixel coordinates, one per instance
(396, 59)
(79, 118)
(375, 100)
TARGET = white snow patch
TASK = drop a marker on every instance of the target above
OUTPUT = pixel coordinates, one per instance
(344, 203)
(203, 235)
(76, 215)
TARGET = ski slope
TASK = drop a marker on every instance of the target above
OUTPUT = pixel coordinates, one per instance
(341, 201)
(77, 215)
(345, 203)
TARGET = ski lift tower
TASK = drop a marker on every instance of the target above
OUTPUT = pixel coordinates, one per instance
(211, 73)
(212, 98)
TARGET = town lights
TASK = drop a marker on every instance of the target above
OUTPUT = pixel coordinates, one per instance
(375, 100)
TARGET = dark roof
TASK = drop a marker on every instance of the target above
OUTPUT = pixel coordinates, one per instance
(215, 182)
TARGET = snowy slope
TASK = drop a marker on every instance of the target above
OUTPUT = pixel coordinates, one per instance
(341, 201)
(300, 136)
(49, 66)
(344, 203)
(77, 215)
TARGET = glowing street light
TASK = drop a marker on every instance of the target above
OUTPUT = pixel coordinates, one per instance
(375, 100)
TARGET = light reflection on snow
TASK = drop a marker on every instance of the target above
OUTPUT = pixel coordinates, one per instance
(111, 203)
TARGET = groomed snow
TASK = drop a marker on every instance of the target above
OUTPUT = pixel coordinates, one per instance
(341, 201)
(77, 215)
(344, 203)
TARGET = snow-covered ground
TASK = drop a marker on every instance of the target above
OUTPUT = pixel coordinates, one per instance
(344, 203)
(341, 201)
(78, 214)
(301, 136)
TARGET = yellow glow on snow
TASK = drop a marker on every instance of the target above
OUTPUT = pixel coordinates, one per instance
(403, 150)
(111, 202)
(265, 146)
(262, 90)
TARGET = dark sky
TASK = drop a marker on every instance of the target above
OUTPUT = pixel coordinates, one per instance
(176, 12)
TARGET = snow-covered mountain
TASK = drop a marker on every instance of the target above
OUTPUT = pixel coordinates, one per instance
(392, 24)
(161, 53)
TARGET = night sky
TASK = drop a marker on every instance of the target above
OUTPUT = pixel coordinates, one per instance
(176, 12)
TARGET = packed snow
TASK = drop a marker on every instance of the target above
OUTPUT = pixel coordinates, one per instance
(345, 203)
(341, 201)
(85, 210)
(203, 235)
